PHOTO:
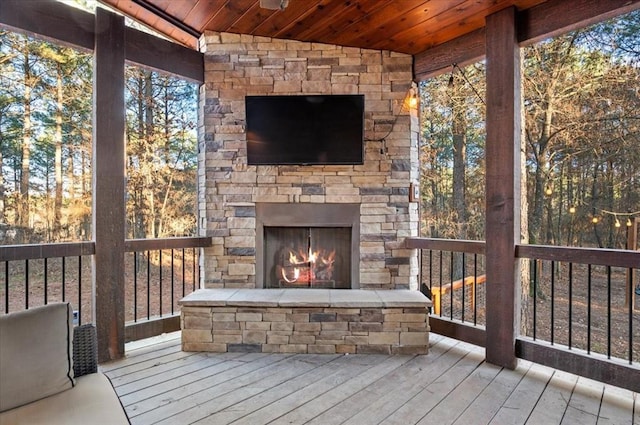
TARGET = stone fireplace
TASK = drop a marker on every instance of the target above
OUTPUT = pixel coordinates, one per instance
(366, 207)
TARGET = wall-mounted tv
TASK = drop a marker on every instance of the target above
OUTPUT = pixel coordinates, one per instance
(305, 130)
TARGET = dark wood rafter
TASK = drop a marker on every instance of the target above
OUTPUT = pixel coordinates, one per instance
(108, 184)
(74, 27)
(541, 21)
(502, 191)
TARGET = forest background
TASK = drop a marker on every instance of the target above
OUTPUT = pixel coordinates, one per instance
(581, 144)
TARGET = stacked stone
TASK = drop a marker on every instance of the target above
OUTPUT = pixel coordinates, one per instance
(240, 65)
(313, 330)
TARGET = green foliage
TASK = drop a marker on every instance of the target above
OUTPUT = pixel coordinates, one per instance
(581, 139)
(46, 146)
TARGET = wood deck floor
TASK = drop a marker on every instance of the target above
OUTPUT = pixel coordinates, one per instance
(159, 384)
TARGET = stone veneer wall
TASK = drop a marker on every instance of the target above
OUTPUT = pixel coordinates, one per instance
(240, 65)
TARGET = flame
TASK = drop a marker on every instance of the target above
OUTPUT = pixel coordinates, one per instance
(305, 266)
(296, 275)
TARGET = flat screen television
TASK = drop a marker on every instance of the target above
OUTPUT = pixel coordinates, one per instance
(305, 130)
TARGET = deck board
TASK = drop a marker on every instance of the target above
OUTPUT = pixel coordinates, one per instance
(159, 384)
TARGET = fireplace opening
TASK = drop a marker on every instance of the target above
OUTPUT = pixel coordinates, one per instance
(307, 245)
(307, 257)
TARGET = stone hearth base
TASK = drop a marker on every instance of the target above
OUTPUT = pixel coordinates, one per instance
(306, 321)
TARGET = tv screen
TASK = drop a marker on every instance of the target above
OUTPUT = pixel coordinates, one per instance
(305, 130)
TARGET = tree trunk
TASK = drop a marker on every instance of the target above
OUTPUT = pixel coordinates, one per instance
(23, 201)
(57, 214)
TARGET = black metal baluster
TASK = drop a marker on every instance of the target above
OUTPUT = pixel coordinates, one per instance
(570, 304)
(464, 305)
(631, 305)
(451, 285)
(46, 281)
(430, 271)
(553, 298)
(148, 285)
(172, 282)
(194, 268)
(26, 284)
(535, 297)
(79, 290)
(184, 258)
(475, 289)
(160, 271)
(440, 278)
(588, 308)
(135, 286)
(608, 312)
(64, 278)
(6, 287)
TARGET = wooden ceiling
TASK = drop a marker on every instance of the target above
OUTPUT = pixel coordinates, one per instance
(406, 26)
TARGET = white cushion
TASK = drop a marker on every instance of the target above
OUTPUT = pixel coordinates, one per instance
(36, 354)
(92, 401)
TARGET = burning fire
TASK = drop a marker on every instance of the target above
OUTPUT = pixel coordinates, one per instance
(307, 267)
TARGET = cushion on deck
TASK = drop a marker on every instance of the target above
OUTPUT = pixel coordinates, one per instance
(92, 401)
(36, 354)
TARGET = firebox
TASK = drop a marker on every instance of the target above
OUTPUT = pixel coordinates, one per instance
(313, 257)
(307, 245)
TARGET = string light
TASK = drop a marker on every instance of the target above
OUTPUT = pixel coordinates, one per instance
(595, 220)
(617, 224)
(572, 210)
(629, 223)
(548, 190)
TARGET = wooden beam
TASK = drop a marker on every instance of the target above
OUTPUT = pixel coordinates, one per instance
(577, 362)
(161, 55)
(553, 18)
(545, 20)
(502, 187)
(108, 184)
(462, 51)
(49, 19)
(71, 26)
(461, 332)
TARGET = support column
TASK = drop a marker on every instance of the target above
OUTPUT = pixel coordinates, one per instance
(108, 184)
(502, 187)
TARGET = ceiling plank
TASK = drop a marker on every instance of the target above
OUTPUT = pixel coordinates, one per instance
(345, 20)
(542, 21)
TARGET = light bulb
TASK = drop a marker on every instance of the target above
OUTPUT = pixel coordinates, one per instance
(594, 220)
(617, 224)
(548, 191)
(572, 210)
(629, 223)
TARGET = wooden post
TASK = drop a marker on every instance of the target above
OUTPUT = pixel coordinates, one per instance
(502, 187)
(108, 184)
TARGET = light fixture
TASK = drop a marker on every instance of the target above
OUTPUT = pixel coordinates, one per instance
(629, 223)
(594, 220)
(274, 4)
(548, 190)
(617, 223)
(413, 101)
(572, 210)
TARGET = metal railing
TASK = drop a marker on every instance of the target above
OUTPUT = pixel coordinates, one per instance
(579, 311)
(158, 272)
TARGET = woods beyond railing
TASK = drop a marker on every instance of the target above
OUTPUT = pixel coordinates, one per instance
(576, 302)
(158, 272)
